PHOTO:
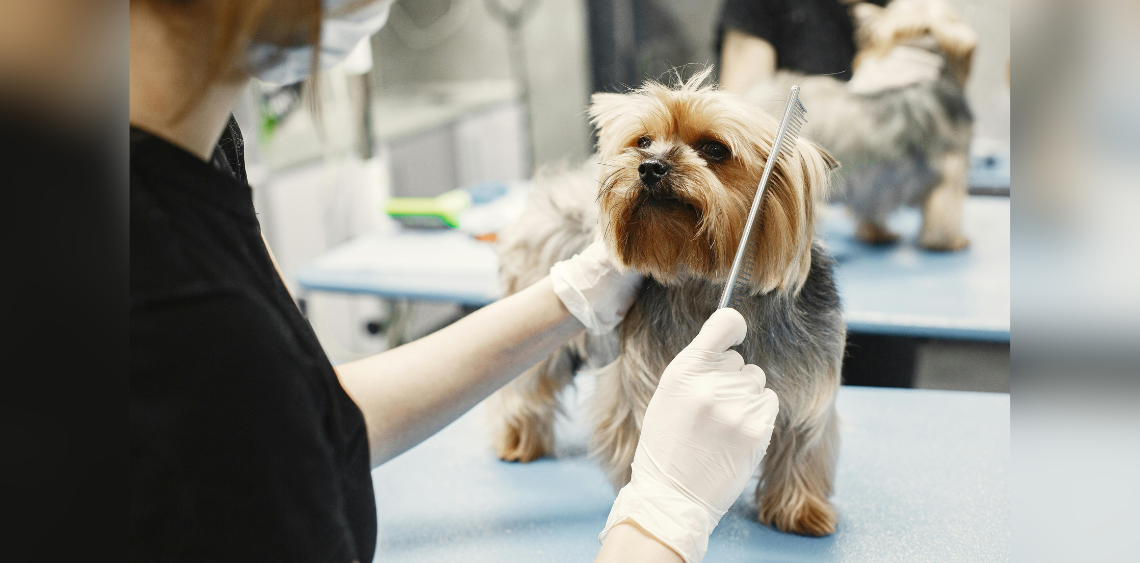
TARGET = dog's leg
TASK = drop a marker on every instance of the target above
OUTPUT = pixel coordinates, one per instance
(799, 470)
(622, 394)
(942, 209)
(523, 411)
(874, 232)
(870, 200)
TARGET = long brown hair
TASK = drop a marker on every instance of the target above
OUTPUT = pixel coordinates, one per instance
(221, 31)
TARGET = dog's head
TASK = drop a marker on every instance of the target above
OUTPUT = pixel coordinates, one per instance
(679, 169)
(914, 22)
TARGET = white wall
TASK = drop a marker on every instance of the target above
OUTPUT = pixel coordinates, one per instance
(987, 89)
(477, 48)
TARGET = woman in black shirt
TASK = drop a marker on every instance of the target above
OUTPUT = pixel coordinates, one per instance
(757, 37)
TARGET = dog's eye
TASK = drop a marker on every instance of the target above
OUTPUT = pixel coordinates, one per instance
(643, 143)
(713, 150)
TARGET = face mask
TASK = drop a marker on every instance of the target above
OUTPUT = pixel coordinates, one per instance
(339, 35)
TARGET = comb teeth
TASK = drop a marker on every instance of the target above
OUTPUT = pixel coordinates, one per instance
(740, 278)
(744, 276)
(796, 120)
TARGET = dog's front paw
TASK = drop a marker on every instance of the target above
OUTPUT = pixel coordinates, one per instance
(943, 243)
(810, 517)
(871, 233)
(521, 443)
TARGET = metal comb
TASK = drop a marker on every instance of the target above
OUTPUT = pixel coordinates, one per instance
(740, 277)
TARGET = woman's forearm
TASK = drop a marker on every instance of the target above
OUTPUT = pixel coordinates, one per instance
(744, 61)
(628, 543)
(411, 392)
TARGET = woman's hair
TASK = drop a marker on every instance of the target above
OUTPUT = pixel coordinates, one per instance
(216, 34)
(220, 32)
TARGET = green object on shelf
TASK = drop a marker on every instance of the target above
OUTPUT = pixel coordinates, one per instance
(439, 211)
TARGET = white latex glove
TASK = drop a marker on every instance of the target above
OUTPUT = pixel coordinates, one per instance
(594, 289)
(705, 431)
(902, 66)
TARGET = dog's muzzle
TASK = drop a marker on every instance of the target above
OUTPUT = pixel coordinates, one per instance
(652, 171)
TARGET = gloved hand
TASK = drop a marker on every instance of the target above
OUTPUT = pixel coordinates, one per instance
(594, 289)
(705, 431)
(902, 66)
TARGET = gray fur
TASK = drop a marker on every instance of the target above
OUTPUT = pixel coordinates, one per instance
(885, 142)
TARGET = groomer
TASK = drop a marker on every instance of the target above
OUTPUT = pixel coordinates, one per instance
(246, 443)
(757, 37)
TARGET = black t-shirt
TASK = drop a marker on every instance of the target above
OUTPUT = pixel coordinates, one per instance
(64, 332)
(244, 445)
(810, 36)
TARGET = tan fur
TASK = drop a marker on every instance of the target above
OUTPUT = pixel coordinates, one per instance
(527, 406)
(874, 233)
(684, 240)
(942, 209)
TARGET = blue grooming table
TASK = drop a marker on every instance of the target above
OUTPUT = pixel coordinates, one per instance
(922, 476)
(896, 290)
(904, 291)
(990, 170)
(416, 264)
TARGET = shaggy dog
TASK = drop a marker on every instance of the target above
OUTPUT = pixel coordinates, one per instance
(901, 126)
(678, 170)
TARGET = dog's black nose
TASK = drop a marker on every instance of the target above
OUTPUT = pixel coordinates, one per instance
(652, 170)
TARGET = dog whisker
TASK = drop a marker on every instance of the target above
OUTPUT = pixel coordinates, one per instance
(609, 183)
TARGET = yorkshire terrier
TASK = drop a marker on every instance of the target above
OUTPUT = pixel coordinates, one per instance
(901, 126)
(678, 169)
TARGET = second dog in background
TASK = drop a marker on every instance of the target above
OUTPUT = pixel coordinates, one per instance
(678, 169)
(901, 127)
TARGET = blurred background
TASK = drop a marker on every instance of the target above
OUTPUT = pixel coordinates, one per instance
(460, 93)
(447, 83)
(1075, 421)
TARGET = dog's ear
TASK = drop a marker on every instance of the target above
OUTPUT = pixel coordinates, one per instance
(604, 107)
(611, 114)
(818, 168)
(958, 40)
(828, 160)
(797, 191)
